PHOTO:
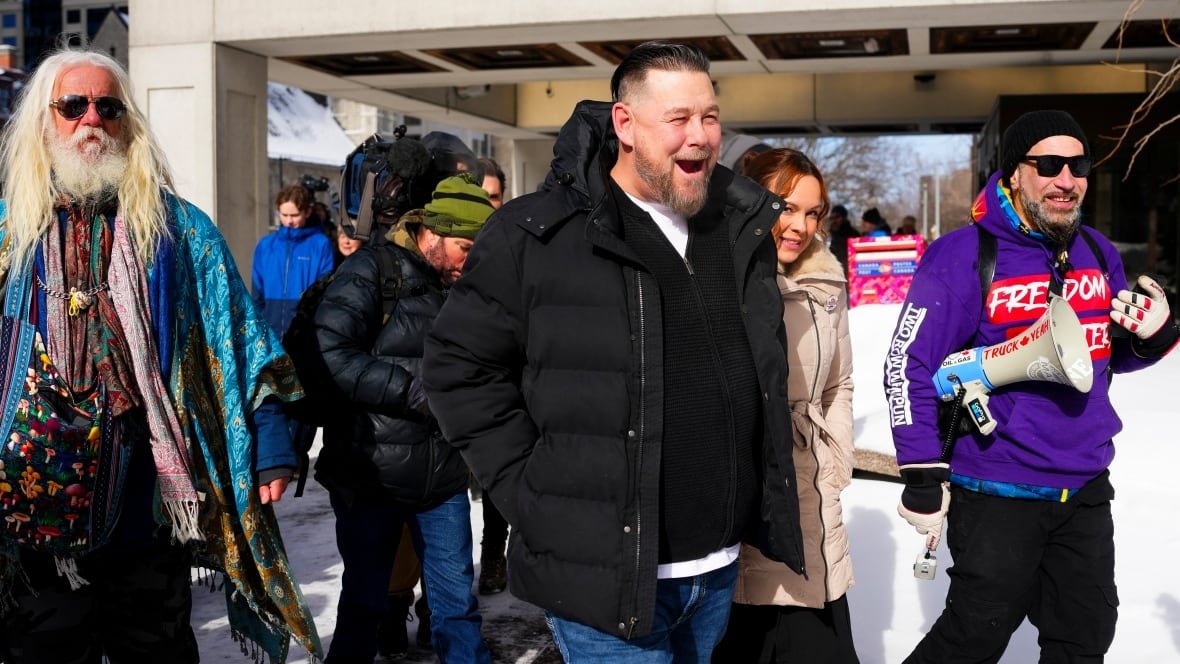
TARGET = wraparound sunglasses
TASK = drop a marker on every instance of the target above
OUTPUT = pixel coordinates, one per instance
(1049, 165)
(72, 107)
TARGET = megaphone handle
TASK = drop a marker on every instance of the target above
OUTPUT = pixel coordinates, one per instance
(948, 441)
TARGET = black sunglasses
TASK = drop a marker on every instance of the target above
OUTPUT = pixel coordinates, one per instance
(72, 107)
(1049, 165)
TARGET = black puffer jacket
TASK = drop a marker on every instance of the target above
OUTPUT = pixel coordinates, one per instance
(545, 368)
(379, 449)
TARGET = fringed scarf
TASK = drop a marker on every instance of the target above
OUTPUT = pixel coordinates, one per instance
(94, 346)
(224, 361)
(114, 342)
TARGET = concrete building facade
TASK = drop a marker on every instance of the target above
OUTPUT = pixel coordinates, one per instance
(885, 66)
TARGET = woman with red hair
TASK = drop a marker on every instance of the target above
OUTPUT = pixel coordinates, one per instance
(778, 615)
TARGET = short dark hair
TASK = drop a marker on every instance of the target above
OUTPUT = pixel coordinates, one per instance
(297, 194)
(873, 216)
(659, 55)
(840, 210)
(488, 166)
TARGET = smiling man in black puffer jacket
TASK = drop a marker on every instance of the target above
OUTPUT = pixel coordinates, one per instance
(612, 366)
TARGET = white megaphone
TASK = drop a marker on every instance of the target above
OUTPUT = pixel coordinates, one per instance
(1052, 349)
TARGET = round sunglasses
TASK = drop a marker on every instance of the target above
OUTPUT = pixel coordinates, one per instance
(72, 107)
(1049, 165)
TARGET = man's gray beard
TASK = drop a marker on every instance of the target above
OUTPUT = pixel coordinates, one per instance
(92, 176)
(686, 205)
(1057, 230)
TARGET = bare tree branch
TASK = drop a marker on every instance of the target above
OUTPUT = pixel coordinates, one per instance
(1165, 83)
(1142, 142)
(1131, 10)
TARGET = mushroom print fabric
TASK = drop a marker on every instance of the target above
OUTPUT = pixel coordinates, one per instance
(52, 495)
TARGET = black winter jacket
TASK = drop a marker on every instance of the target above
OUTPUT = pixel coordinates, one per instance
(378, 449)
(545, 368)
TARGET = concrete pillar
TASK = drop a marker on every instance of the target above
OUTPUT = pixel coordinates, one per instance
(207, 105)
(530, 164)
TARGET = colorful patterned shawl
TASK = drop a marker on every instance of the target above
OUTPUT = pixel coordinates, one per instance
(225, 360)
(221, 359)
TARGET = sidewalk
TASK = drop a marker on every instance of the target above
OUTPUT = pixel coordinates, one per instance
(514, 630)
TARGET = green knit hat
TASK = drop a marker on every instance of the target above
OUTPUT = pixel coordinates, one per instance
(458, 208)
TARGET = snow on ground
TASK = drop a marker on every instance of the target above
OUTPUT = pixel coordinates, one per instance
(891, 610)
(515, 631)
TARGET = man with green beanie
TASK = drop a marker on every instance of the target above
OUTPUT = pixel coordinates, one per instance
(444, 230)
(384, 461)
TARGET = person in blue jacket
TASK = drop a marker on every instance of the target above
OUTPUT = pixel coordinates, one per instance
(873, 224)
(290, 259)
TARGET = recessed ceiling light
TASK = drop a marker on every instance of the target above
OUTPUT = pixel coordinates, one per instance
(1007, 32)
(366, 58)
(510, 53)
(832, 43)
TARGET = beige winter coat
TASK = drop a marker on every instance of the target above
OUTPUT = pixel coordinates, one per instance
(819, 386)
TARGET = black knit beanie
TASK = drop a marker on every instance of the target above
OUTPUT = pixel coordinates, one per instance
(1032, 128)
(873, 216)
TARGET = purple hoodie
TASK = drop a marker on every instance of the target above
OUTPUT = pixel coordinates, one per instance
(1048, 434)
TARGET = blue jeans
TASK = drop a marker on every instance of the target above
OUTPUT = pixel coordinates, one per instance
(690, 618)
(367, 535)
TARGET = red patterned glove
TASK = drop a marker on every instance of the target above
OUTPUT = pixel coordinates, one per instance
(1146, 314)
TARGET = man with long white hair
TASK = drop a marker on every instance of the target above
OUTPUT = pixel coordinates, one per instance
(140, 395)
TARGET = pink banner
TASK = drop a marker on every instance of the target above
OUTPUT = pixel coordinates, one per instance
(880, 268)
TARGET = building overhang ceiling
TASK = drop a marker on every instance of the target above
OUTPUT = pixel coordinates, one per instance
(454, 74)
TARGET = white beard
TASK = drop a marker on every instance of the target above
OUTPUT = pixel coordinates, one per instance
(85, 170)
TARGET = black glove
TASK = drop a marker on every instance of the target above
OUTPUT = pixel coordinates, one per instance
(1158, 344)
(925, 499)
(416, 397)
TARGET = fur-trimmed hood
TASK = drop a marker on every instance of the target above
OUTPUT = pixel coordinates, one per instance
(818, 263)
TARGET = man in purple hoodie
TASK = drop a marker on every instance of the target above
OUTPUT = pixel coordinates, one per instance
(1030, 532)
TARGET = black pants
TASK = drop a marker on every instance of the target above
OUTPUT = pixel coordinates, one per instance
(1050, 561)
(135, 610)
(495, 530)
(788, 634)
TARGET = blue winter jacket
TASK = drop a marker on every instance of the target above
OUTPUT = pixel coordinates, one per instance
(1047, 434)
(286, 262)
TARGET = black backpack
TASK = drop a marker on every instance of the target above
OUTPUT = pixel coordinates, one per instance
(321, 398)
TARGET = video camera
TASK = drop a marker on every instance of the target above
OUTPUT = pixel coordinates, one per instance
(314, 184)
(382, 180)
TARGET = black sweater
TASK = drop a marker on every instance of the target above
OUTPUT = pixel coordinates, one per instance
(712, 415)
